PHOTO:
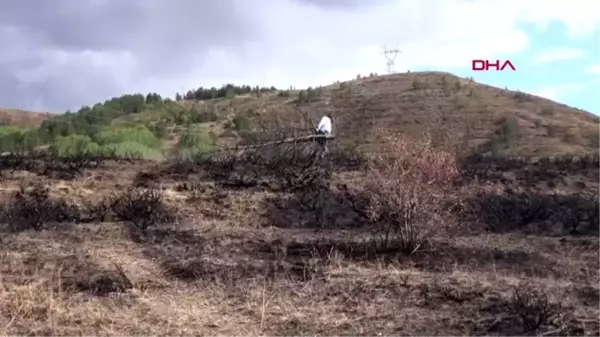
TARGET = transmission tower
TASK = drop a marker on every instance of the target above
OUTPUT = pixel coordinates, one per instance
(390, 56)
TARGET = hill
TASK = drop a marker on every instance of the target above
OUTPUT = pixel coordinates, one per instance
(21, 118)
(403, 228)
(454, 111)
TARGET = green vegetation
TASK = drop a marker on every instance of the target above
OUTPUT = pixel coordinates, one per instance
(241, 122)
(193, 141)
(593, 139)
(505, 136)
(128, 134)
(129, 124)
(73, 145)
(226, 91)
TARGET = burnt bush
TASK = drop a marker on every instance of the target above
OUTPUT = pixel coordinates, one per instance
(491, 168)
(513, 211)
(142, 207)
(98, 211)
(52, 165)
(279, 157)
(31, 207)
(533, 308)
(20, 161)
(283, 166)
(319, 205)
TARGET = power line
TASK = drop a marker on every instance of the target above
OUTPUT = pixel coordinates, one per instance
(390, 56)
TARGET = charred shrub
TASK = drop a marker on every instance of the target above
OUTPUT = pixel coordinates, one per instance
(314, 205)
(142, 207)
(402, 195)
(512, 211)
(70, 166)
(99, 210)
(20, 161)
(501, 212)
(578, 215)
(532, 307)
(32, 206)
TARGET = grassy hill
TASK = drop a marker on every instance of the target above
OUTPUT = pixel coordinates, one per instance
(453, 111)
(399, 230)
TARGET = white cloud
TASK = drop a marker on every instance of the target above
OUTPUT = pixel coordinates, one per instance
(559, 54)
(154, 47)
(559, 91)
(595, 69)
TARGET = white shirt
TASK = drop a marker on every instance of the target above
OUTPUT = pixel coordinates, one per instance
(325, 125)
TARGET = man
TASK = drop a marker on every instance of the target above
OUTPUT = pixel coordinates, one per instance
(324, 128)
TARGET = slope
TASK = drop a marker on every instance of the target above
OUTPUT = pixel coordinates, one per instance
(22, 118)
(452, 110)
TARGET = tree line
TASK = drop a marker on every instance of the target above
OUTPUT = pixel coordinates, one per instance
(226, 91)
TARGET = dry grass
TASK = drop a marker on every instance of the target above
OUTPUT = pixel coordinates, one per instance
(458, 113)
(224, 267)
(20, 117)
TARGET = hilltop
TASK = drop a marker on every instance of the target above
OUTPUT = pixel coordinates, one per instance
(443, 207)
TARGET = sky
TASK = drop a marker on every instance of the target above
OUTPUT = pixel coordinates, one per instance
(65, 53)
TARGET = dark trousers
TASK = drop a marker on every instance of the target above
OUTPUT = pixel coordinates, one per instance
(322, 141)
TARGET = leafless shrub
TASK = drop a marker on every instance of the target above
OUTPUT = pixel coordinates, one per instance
(403, 193)
(506, 211)
(533, 307)
(98, 211)
(58, 166)
(32, 206)
(510, 211)
(142, 207)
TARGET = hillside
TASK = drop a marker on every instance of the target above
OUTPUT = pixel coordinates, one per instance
(139, 220)
(21, 118)
(454, 111)
(451, 110)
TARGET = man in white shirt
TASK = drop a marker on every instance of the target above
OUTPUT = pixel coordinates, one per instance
(324, 128)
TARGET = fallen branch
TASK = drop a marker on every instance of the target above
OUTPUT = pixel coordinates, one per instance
(304, 139)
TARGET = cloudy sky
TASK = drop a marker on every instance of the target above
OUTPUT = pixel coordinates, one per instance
(62, 54)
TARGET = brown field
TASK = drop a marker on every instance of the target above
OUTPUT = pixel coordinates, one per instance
(276, 243)
(21, 118)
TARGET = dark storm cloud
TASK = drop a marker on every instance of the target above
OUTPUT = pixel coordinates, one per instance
(51, 49)
(119, 24)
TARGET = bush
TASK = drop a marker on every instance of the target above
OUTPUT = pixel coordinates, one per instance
(502, 212)
(142, 207)
(73, 145)
(195, 140)
(533, 308)
(128, 134)
(241, 122)
(403, 195)
(505, 136)
(31, 207)
(159, 128)
(16, 139)
(129, 149)
(203, 115)
(593, 139)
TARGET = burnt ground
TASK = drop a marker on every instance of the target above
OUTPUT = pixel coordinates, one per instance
(226, 261)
